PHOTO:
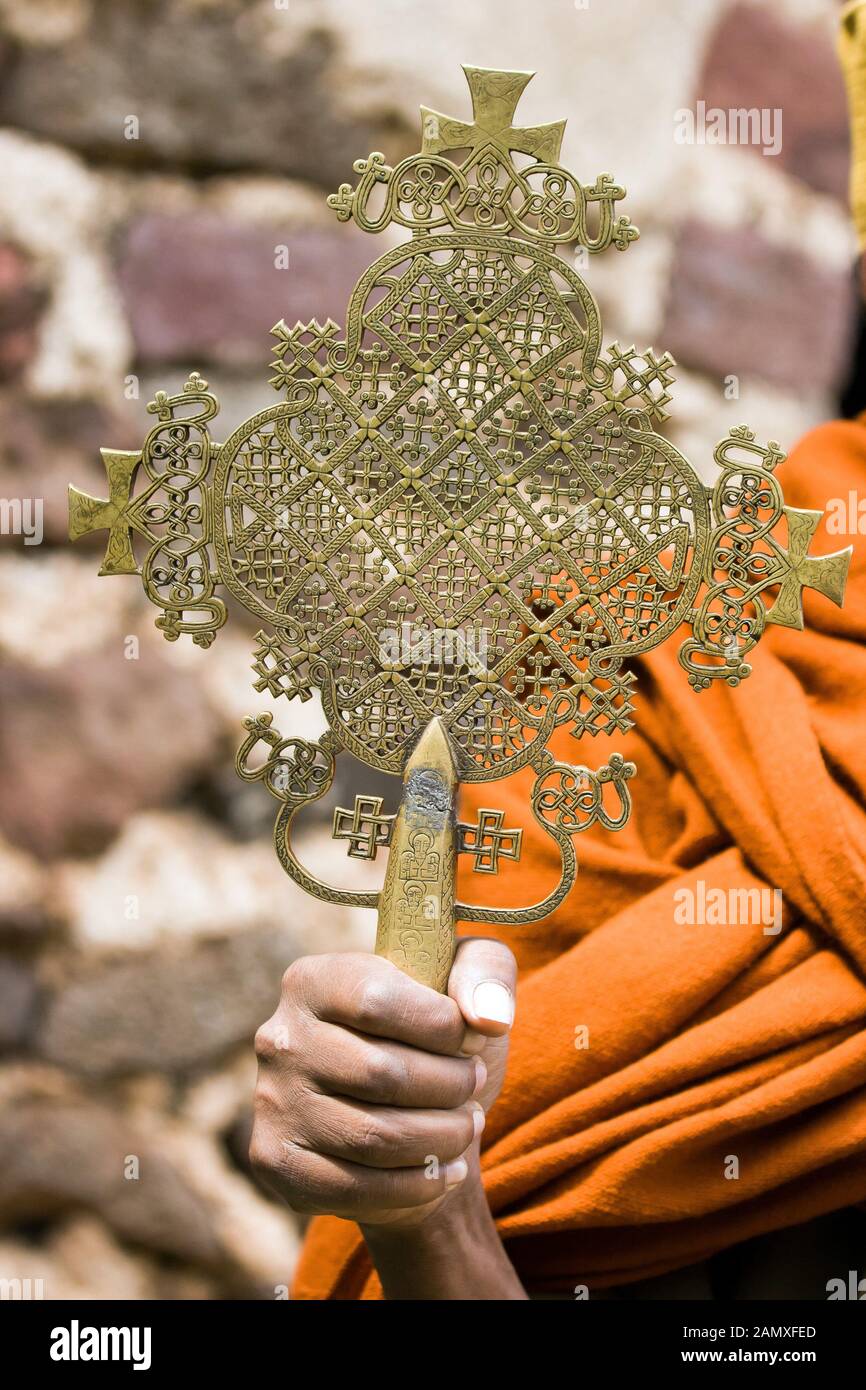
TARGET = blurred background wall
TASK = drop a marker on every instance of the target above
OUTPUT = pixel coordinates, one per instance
(157, 159)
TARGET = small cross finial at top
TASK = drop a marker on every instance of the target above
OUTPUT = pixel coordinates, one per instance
(495, 94)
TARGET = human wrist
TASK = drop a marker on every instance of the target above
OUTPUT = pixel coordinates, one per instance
(463, 1208)
(453, 1253)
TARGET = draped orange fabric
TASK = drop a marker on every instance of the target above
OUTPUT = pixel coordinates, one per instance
(611, 1162)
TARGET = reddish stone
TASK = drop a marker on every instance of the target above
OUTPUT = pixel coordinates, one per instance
(45, 445)
(84, 745)
(200, 289)
(757, 58)
(740, 305)
(22, 299)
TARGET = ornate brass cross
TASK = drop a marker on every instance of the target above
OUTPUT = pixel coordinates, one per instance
(458, 523)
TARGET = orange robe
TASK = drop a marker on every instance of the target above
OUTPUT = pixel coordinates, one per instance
(607, 1163)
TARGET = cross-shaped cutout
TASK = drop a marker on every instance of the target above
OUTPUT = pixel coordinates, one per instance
(488, 842)
(365, 827)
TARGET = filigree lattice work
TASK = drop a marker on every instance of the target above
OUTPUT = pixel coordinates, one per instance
(462, 507)
(490, 544)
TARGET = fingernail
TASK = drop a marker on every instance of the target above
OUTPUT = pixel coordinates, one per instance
(493, 1002)
(455, 1171)
(480, 1076)
(479, 1119)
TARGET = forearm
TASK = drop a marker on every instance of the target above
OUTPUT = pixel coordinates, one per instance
(455, 1254)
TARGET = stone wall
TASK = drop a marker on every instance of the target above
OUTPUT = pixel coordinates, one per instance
(155, 156)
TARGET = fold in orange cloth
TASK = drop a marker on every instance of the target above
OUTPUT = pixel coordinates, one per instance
(611, 1162)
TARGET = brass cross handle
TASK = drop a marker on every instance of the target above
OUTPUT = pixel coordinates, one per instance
(417, 907)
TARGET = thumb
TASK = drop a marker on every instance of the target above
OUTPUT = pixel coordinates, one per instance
(482, 983)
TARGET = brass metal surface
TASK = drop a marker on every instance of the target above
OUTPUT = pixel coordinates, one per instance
(463, 509)
(416, 910)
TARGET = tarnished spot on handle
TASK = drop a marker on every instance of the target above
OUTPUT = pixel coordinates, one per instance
(416, 908)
